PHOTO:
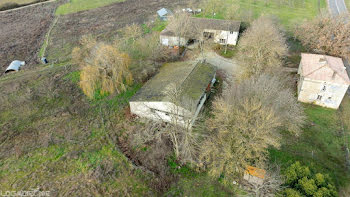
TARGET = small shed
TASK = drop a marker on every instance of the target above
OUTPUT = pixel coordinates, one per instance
(254, 175)
(15, 66)
(164, 13)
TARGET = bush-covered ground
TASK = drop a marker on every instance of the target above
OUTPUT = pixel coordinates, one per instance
(321, 145)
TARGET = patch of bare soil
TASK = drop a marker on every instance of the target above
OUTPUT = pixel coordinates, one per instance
(103, 22)
(22, 32)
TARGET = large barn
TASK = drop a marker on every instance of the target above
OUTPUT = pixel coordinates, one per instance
(177, 92)
(323, 80)
(218, 31)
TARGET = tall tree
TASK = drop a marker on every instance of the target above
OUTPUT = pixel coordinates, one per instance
(246, 121)
(326, 34)
(261, 47)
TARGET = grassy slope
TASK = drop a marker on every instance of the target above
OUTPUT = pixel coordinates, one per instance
(320, 144)
(81, 5)
(61, 142)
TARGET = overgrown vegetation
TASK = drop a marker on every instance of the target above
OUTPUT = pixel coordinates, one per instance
(302, 181)
(247, 120)
(103, 68)
(319, 36)
(261, 48)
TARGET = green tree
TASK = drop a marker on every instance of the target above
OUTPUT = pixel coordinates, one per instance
(301, 181)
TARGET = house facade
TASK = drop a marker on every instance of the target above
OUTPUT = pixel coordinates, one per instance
(192, 81)
(323, 80)
(223, 32)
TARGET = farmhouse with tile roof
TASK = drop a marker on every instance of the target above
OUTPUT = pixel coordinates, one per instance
(219, 31)
(323, 80)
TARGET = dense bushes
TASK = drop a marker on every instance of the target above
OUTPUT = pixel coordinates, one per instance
(302, 181)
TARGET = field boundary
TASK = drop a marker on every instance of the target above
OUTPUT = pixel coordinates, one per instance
(42, 51)
(26, 6)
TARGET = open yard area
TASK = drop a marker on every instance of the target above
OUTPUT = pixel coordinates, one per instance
(22, 32)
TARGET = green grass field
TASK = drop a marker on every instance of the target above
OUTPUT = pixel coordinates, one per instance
(81, 5)
(289, 14)
(321, 144)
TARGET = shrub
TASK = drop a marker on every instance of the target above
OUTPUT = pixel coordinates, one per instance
(301, 181)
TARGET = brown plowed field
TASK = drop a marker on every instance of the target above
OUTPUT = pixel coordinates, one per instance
(104, 22)
(22, 32)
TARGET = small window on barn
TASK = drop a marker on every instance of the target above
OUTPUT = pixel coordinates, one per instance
(319, 97)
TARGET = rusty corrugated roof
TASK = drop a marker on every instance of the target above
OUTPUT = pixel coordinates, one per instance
(257, 172)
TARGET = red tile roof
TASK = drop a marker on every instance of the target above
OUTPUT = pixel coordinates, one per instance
(324, 68)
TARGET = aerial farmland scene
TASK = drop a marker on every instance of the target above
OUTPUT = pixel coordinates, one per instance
(246, 98)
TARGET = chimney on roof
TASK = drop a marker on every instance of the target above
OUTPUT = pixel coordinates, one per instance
(323, 61)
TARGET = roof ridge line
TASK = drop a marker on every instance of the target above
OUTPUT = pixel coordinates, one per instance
(197, 63)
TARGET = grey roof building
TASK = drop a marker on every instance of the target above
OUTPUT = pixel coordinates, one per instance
(164, 13)
(193, 80)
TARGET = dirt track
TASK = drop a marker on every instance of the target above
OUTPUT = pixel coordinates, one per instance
(22, 32)
(104, 22)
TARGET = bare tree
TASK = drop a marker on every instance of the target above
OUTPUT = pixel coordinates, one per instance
(182, 27)
(179, 130)
(326, 34)
(212, 7)
(261, 47)
(132, 32)
(247, 120)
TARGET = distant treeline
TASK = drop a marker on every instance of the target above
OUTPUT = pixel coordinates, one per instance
(9, 6)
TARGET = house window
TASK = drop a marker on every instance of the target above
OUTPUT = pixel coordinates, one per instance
(330, 98)
(231, 32)
(319, 97)
(324, 88)
(223, 41)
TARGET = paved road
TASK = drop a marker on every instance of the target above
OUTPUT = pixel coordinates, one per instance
(337, 7)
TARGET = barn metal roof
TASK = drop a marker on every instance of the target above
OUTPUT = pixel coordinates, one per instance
(15, 66)
(162, 12)
(191, 77)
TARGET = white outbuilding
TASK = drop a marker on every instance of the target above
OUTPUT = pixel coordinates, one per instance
(223, 32)
(176, 93)
(323, 80)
